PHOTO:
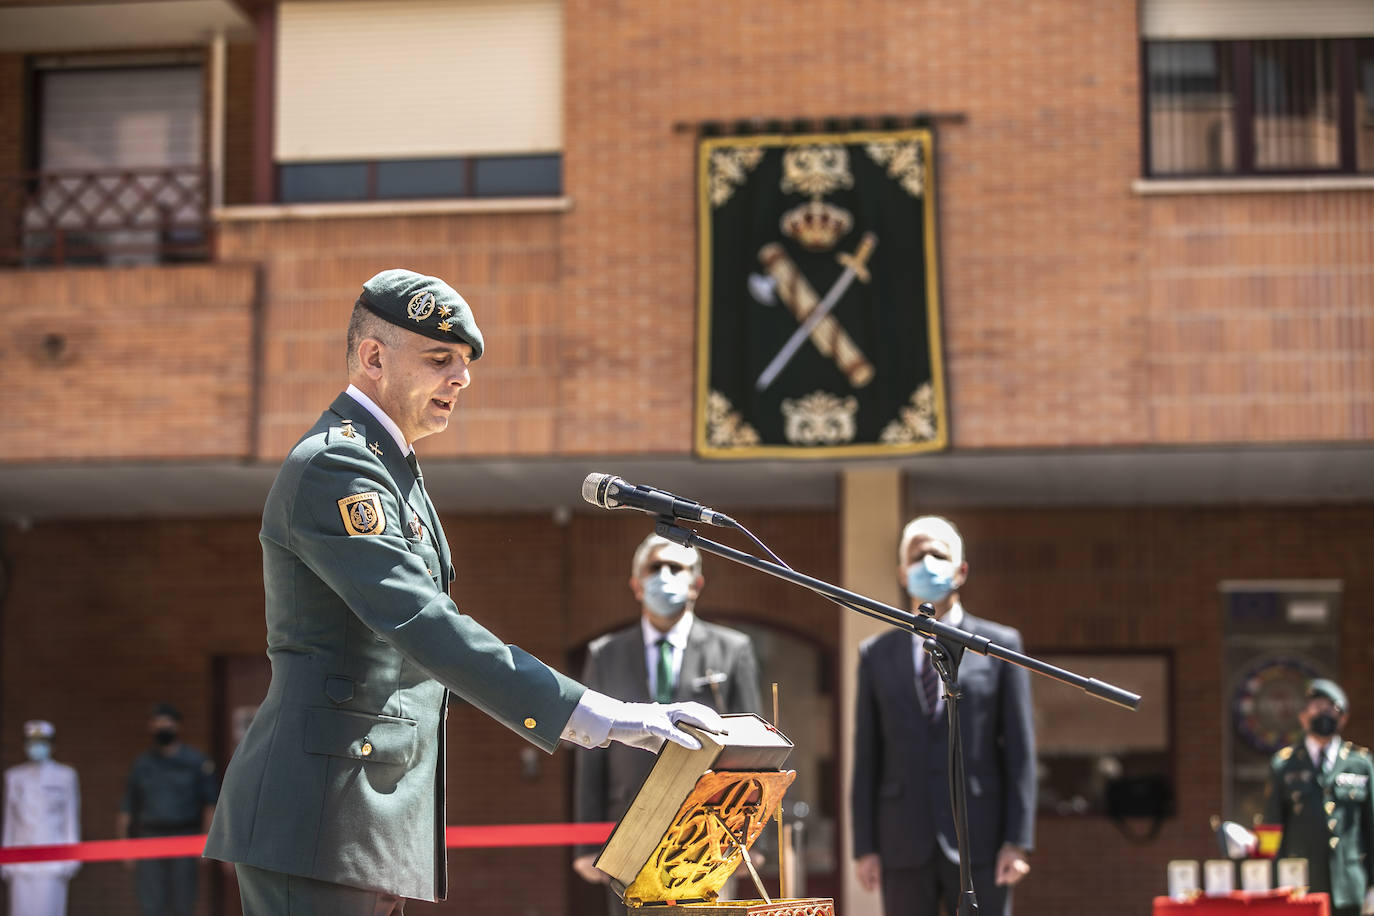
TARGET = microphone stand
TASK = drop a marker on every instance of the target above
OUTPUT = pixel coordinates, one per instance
(945, 645)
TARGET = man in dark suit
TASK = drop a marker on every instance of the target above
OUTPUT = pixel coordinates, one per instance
(670, 655)
(903, 824)
(334, 800)
(1319, 792)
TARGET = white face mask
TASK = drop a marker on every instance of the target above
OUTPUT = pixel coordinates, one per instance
(666, 593)
(38, 750)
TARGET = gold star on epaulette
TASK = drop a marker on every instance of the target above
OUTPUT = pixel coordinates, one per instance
(446, 325)
(376, 449)
(1285, 753)
(444, 312)
(347, 431)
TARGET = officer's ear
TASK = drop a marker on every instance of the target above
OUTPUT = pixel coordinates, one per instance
(370, 357)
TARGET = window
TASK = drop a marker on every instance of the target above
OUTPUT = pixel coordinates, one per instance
(414, 179)
(118, 174)
(1264, 106)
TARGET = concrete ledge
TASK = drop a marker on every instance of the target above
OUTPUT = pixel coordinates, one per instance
(381, 208)
(1289, 184)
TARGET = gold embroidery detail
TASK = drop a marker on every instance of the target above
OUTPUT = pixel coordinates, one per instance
(915, 422)
(820, 418)
(376, 449)
(724, 427)
(730, 168)
(905, 161)
(420, 306)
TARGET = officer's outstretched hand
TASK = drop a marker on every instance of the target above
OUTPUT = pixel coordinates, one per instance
(647, 725)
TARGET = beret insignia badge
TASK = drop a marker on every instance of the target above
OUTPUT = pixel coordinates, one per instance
(421, 306)
(362, 513)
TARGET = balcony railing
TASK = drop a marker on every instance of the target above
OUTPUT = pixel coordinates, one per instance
(108, 217)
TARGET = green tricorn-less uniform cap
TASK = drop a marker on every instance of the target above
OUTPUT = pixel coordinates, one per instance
(424, 305)
(1322, 687)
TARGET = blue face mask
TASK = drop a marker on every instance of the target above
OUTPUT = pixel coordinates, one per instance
(38, 751)
(665, 594)
(932, 579)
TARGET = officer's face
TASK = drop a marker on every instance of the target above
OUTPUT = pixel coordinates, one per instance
(418, 381)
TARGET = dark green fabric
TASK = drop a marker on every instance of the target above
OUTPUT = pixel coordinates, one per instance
(340, 776)
(664, 685)
(425, 305)
(1297, 797)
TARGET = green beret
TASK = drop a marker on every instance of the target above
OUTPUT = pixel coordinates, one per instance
(425, 305)
(1322, 687)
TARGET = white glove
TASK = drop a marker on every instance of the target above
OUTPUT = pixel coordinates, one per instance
(646, 725)
(1368, 902)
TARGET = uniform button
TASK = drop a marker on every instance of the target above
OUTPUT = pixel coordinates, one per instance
(529, 723)
(1332, 823)
(428, 570)
(367, 747)
(1335, 840)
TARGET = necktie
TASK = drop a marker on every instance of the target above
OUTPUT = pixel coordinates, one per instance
(930, 685)
(415, 467)
(664, 694)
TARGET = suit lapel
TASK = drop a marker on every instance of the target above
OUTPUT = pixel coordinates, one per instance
(693, 662)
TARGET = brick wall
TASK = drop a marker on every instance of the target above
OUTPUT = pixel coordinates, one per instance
(1260, 317)
(506, 265)
(102, 619)
(127, 363)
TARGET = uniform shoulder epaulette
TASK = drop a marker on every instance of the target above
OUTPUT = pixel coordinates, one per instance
(349, 430)
(1284, 754)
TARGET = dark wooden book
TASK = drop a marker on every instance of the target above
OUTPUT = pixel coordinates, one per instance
(750, 745)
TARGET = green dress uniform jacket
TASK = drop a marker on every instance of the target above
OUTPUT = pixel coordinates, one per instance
(1327, 818)
(340, 776)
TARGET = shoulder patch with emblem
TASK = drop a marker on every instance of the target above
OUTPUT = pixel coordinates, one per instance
(362, 513)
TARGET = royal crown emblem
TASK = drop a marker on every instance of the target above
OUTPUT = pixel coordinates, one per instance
(816, 225)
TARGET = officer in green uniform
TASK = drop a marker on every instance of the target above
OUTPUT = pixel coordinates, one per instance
(334, 800)
(170, 791)
(1319, 793)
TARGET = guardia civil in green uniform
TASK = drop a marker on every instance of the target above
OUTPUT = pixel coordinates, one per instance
(334, 801)
(1319, 793)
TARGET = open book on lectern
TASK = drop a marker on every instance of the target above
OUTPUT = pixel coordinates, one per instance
(672, 843)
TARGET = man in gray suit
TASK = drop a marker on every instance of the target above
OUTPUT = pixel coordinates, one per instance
(334, 801)
(902, 820)
(669, 655)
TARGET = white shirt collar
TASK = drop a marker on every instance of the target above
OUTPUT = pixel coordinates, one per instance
(676, 635)
(380, 415)
(1332, 746)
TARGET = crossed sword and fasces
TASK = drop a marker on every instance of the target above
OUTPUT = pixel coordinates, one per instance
(814, 312)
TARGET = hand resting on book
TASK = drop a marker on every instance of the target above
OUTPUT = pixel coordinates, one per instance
(647, 725)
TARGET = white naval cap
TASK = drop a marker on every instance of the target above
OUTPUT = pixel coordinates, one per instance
(38, 729)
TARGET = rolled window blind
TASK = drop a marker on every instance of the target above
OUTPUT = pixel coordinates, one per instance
(1222, 19)
(418, 78)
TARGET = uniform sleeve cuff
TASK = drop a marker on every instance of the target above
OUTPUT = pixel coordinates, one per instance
(590, 722)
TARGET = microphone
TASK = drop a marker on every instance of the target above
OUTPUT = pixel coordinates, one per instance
(610, 492)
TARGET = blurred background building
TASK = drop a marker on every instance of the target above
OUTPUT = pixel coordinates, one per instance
(1156, 294)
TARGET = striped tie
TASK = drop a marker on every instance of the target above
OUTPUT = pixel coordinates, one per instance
(930, 685)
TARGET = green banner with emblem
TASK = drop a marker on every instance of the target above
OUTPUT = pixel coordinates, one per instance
(818, 320)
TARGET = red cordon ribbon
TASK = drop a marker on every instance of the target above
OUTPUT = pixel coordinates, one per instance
(174, 847)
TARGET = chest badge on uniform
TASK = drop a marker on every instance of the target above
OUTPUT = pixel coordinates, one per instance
(417, 530)
(362, 513)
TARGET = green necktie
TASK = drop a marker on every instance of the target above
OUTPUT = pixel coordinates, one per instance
(665, 671)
